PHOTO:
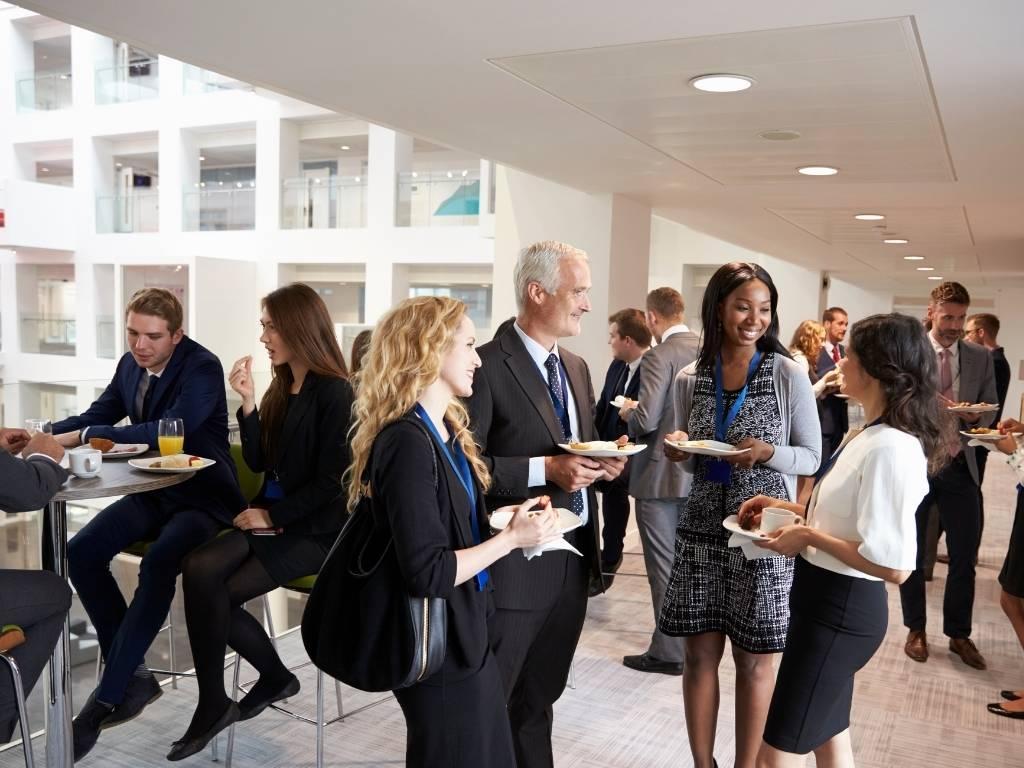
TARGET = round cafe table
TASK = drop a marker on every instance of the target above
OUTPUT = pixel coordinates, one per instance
(116, 478)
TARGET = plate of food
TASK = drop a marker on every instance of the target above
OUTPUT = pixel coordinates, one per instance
(567, 521)
(181, 462)
(987, 434)
(602, 449)
(706, 447)
(112, 450)
(620, 401)
(966, 407)
(732, 523)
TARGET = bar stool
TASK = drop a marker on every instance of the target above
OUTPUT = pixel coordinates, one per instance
(11, 637)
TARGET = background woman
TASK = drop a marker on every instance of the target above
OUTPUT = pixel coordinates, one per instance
(861, 531)
(421, 361)
(744, 390)
(297, 438)
(805, 346)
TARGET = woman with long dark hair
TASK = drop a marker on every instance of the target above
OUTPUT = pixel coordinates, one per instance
(860, 532)
(298, 439)
(743, 390)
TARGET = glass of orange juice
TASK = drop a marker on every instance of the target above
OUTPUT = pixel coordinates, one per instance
(171, 436)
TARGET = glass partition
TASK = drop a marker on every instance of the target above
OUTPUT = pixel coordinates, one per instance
(138, 212)
(199, 80)
(438, 199)
(324, 203)
(44, 92)
(135, 81)
(213, 210)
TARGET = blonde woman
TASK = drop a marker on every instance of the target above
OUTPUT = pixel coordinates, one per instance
(430, 492)
(805, 346)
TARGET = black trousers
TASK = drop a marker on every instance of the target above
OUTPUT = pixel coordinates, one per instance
(615, 514)
(955, 495)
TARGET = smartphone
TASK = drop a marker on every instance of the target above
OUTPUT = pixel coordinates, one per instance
(266, 531)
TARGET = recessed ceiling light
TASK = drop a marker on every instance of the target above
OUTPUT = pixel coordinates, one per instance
(45, 170)
(346, 147)
(117, 165)
(722, 83)
(869, 217)
(201, 159)
(926, 269)
(934, 277)
(818, 170)
(780, 135)
(895, 241)
(913, 258)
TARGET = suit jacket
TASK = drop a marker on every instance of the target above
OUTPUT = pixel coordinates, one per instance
(191, 387)
(606, 415)
(652, 476)
(835, 413)
(29, 484)
(977, 385)
(1001, 367)
(312, 455)
(513, 419)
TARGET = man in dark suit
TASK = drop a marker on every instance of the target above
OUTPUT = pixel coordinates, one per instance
(659, 486)
(529, 395)
(629, 338)
(965, 375)
(35, 601)
(165, 374)
(835, 417)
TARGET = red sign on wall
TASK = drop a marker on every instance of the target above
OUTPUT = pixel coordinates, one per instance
(1, 217)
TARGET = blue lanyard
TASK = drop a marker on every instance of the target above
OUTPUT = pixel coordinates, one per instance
(724, 420)
(460, 464)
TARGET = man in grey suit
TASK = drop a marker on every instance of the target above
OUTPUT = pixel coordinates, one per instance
(965, 375)
(529, 395)
(36, 601)
(658, 485)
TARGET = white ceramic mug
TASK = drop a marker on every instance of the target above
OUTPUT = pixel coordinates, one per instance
(773, 518)
(85, 462)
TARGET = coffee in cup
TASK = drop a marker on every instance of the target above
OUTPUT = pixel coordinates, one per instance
(85, 462)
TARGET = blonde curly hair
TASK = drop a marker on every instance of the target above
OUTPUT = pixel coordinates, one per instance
(404, 358)
(808, 338)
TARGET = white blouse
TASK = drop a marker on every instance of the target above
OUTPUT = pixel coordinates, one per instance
(871, 495)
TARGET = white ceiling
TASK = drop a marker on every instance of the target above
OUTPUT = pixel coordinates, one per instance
(919, 102)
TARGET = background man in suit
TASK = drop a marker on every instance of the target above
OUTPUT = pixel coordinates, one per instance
(658, 485)
(165, 374)
(528, 396)
(965, 374)
(629, 338)
(36, 601)
(835, 418)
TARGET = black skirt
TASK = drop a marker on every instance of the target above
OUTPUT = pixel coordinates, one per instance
(290, 556)
(1011, 577)
(836, 624)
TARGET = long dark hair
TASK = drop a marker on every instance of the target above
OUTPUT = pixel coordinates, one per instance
(895, 350)
(728, 278)
(301, 318)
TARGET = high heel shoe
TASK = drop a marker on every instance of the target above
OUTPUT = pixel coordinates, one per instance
(997, 709)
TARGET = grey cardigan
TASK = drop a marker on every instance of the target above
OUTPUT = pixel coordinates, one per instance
(800, 451)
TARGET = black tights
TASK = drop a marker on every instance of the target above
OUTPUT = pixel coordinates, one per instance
(219, 577)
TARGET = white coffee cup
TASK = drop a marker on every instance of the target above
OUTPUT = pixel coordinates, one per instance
(773, 518)
(85, 462)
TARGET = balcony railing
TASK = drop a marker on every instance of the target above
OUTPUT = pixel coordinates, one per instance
(106, 343)
(324, 203)
(221, 209)
(128, 82)
(44, 92)
(199, 80)
(450, 198)
(48, 335)
(131, 213)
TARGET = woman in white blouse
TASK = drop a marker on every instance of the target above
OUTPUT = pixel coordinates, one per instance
(860, 532)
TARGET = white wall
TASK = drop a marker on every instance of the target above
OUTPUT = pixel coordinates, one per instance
(1010, 310)
(858, 302)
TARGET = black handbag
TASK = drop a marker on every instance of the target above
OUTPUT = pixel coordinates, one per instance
(360, 624)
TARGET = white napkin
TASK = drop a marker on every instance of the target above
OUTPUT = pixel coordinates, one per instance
(559, 543)
(990, 444)
(750, 550)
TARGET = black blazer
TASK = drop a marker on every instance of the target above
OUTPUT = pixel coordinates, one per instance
(1001, 367)
(835, 414)
(513, 419)
(28, 484)
(313, 454)
(606, 415)
(428, 524)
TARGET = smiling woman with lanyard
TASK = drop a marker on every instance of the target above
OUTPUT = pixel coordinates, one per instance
(743, 390)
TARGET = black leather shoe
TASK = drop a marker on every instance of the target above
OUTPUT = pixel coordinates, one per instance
(1009, 695)
(85, 730)
(647, 663)
(252, 703)
(141, 692)
(188, 747)
(997, 709)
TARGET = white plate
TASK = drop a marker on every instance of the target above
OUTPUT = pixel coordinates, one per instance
(620, 401)
(602, 453)
(567, 521)
(732, 523)
(841, 396)
(126, 450)
(144, 465)
(991, 437)
(972, 408)
(706, 447)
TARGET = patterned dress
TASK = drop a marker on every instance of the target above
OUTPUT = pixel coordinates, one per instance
(714, 588)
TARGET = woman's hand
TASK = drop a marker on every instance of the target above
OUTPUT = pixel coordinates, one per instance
(1009, 427)
(751, 510)
(240, 380)
(253, 517)
(789, 540)
(674, 454)
(530, 527)
(759, 452)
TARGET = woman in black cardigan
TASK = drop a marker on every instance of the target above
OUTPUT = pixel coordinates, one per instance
(298, 438)
(428, 486)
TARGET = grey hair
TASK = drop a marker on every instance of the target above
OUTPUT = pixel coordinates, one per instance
(539, 263)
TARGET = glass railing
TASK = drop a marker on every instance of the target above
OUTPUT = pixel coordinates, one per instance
(133, 213)
(199, 80)
(128, 82)
(106, 341)
(449, 198)
(324, 203)
(44, 92)
(48, 335)
(222, 209)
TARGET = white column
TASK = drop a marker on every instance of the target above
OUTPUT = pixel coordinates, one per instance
(268, 169)
(179, 173)
(379, 289)
(16, 64)
(389, 153)
(85, 308)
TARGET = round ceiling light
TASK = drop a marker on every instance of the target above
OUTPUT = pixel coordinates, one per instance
(780, 135)
(913, 258)
(926, 269)
(869, 217)
(721, 83)
(895, 241)
(818, 170)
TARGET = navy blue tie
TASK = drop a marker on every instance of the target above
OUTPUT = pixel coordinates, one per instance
(556, 388)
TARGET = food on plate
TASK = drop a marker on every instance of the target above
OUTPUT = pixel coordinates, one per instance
(747, 522)
(603, 445)
(178, 461)
(101, 444)
(983, 431)
(543, 506)
(967, 404)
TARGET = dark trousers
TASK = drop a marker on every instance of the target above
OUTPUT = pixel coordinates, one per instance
(955, 495)
(125, 631)
(38, 602)
(534, 649)
(981, 457)
(615, 513)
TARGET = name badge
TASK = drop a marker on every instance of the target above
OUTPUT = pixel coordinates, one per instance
(719, 472)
